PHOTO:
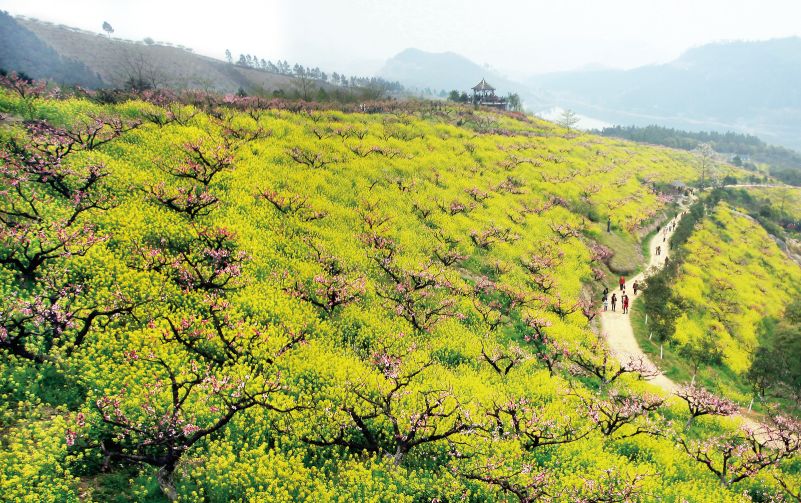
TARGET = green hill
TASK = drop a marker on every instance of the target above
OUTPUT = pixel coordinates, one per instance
(227, 301)
(745, 150)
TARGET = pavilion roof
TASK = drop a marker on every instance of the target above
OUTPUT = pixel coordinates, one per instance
(483, 86)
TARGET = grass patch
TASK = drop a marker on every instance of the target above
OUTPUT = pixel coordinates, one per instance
(631, 257)
(645, 244)
(627, 258)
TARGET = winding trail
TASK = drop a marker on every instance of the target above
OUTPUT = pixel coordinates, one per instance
(617, 326)
(620, 334)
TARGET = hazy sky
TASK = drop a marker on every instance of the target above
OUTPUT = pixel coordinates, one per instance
(514, 36)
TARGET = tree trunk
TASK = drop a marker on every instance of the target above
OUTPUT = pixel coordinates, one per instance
(164, 478)
(400, 452)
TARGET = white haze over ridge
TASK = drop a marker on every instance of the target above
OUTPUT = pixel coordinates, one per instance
(208, 27)
(356, 36)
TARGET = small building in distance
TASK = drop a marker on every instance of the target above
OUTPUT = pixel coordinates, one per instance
(484, 95)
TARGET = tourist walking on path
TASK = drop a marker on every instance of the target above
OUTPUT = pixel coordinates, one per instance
(606, 302)
(625, 302)
(614, 301)
(622, 283)
(635, 286)
(659, 250)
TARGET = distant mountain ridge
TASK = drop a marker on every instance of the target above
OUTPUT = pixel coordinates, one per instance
(750, 87)
(444, 70)
(448, 71)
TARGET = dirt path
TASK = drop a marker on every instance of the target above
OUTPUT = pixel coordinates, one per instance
(616, 326)
(619, 333)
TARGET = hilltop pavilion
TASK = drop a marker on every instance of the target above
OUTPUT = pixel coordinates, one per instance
(484, 95)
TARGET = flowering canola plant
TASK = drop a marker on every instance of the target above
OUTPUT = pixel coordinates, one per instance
(226, 301)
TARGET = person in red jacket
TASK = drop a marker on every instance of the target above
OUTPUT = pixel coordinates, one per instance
(625, 302)
(622, 283)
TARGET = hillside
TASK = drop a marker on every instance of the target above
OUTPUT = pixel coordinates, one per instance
(745, 150)
(777, 209)
(717, 87)
(718, 313)
(72, 56)
(230, 302)
(781, 205)
(116, 60)
(22, 51)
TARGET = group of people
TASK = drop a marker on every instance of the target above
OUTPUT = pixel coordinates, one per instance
(624, 298)
(670, 227)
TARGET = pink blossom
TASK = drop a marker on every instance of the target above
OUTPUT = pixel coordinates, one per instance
(189, 429)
